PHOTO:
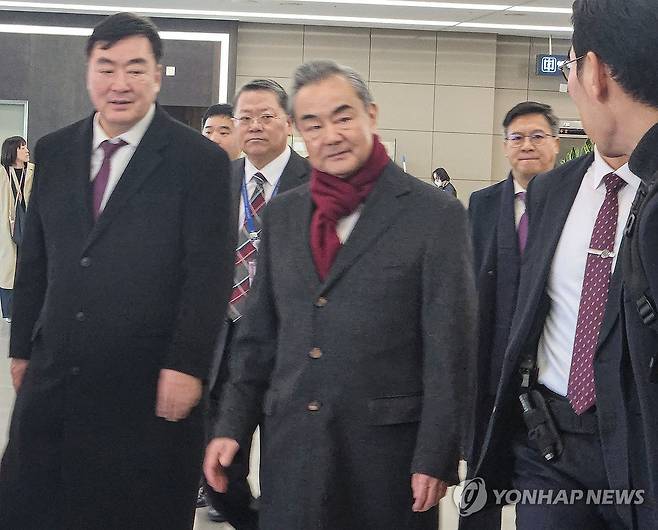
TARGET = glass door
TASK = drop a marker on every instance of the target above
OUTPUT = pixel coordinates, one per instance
(13, 119)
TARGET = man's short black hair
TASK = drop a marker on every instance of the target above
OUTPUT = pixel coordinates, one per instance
(123, 25)
(264, 84)
(532, 107)
(624, 35)
(220, 109)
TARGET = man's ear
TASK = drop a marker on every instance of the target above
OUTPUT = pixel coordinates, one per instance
(158, 77)
(597, 77)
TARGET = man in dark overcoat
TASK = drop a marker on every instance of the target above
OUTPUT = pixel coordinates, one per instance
(588, 342)
(359, 334)
(124, 280)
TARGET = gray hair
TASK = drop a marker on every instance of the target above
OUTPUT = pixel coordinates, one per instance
(316, 71)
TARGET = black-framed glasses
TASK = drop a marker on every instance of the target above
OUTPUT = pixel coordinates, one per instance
(536, 138)
(566, 66)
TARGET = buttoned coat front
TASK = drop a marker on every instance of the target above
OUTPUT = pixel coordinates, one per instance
(100, 308)
(362, 378)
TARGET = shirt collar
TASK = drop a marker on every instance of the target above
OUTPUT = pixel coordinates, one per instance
(132, 136)
(517, 187)
(272, 171)
(601, 169)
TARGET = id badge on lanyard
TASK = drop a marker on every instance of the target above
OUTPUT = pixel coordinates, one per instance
(254, 233)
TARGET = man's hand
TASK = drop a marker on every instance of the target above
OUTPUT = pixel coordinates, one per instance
(219, 455)
(17, 369)
(428, 491)
(178, 394)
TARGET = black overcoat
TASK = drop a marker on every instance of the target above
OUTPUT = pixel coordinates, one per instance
(100, 309)
(362, 378)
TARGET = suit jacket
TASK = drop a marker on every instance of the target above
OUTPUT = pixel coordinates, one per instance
(296, 173)
(497, 264)
(641, 343)
(548, 203)
(360, 377)
(99, 309)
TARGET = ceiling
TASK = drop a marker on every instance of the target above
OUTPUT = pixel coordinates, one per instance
(512, 17)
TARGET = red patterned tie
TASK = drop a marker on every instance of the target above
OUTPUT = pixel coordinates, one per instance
(245, 254)
(593, 298)
(103, 175)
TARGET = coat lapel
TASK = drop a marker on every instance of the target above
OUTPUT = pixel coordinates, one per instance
(144, 161)
(81, 167)
(295, 173)
(542, 243)
(506, 230)
(379, 211)
(301, 237)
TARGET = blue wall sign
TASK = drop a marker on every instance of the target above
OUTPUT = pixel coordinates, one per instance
(549, 65)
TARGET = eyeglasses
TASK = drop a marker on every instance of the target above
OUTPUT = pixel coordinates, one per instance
(566, 66)
(248, 121)
(536, 138)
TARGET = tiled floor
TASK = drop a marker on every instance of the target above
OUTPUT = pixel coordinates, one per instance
(448, 510)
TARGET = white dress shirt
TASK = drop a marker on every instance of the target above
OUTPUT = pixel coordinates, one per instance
(122, 156)
(519, 204)
(345, 225)
(567, 273)
(272, 173)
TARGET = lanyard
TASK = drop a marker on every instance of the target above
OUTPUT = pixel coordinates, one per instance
(248, 210)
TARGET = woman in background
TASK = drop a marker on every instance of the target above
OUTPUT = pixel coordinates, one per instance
(15, 187)
(442, 181)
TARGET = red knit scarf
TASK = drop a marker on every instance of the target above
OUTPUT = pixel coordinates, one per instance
(335, 198)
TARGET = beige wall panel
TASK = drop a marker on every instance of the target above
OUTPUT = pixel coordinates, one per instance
(269, 50)
(416, 147)
(512, 62)
(348, 46)
(466, 59)
(465, 156)
(540, 45)
(463, 109)
(466, 187)
(408, 107)
(402, 56)
(504, 100)
(499, 165)
(562, 104)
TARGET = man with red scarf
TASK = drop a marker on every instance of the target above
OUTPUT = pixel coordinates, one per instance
(357, 351)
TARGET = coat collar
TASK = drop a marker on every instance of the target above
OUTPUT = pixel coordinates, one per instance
(564, 184)
(380, 210)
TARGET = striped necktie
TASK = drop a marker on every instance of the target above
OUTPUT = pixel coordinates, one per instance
(247, 251)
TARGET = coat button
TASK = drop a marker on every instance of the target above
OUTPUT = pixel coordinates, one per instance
(80, 316)
(315, 353)
(85, 262)
(314, 406)
(75, 370)
(321, 302)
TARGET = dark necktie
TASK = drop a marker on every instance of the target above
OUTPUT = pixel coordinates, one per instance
(103, 175)
(247, 251)
(522, 229)
(593, 298)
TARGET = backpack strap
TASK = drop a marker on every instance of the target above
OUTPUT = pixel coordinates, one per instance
(635, 276)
